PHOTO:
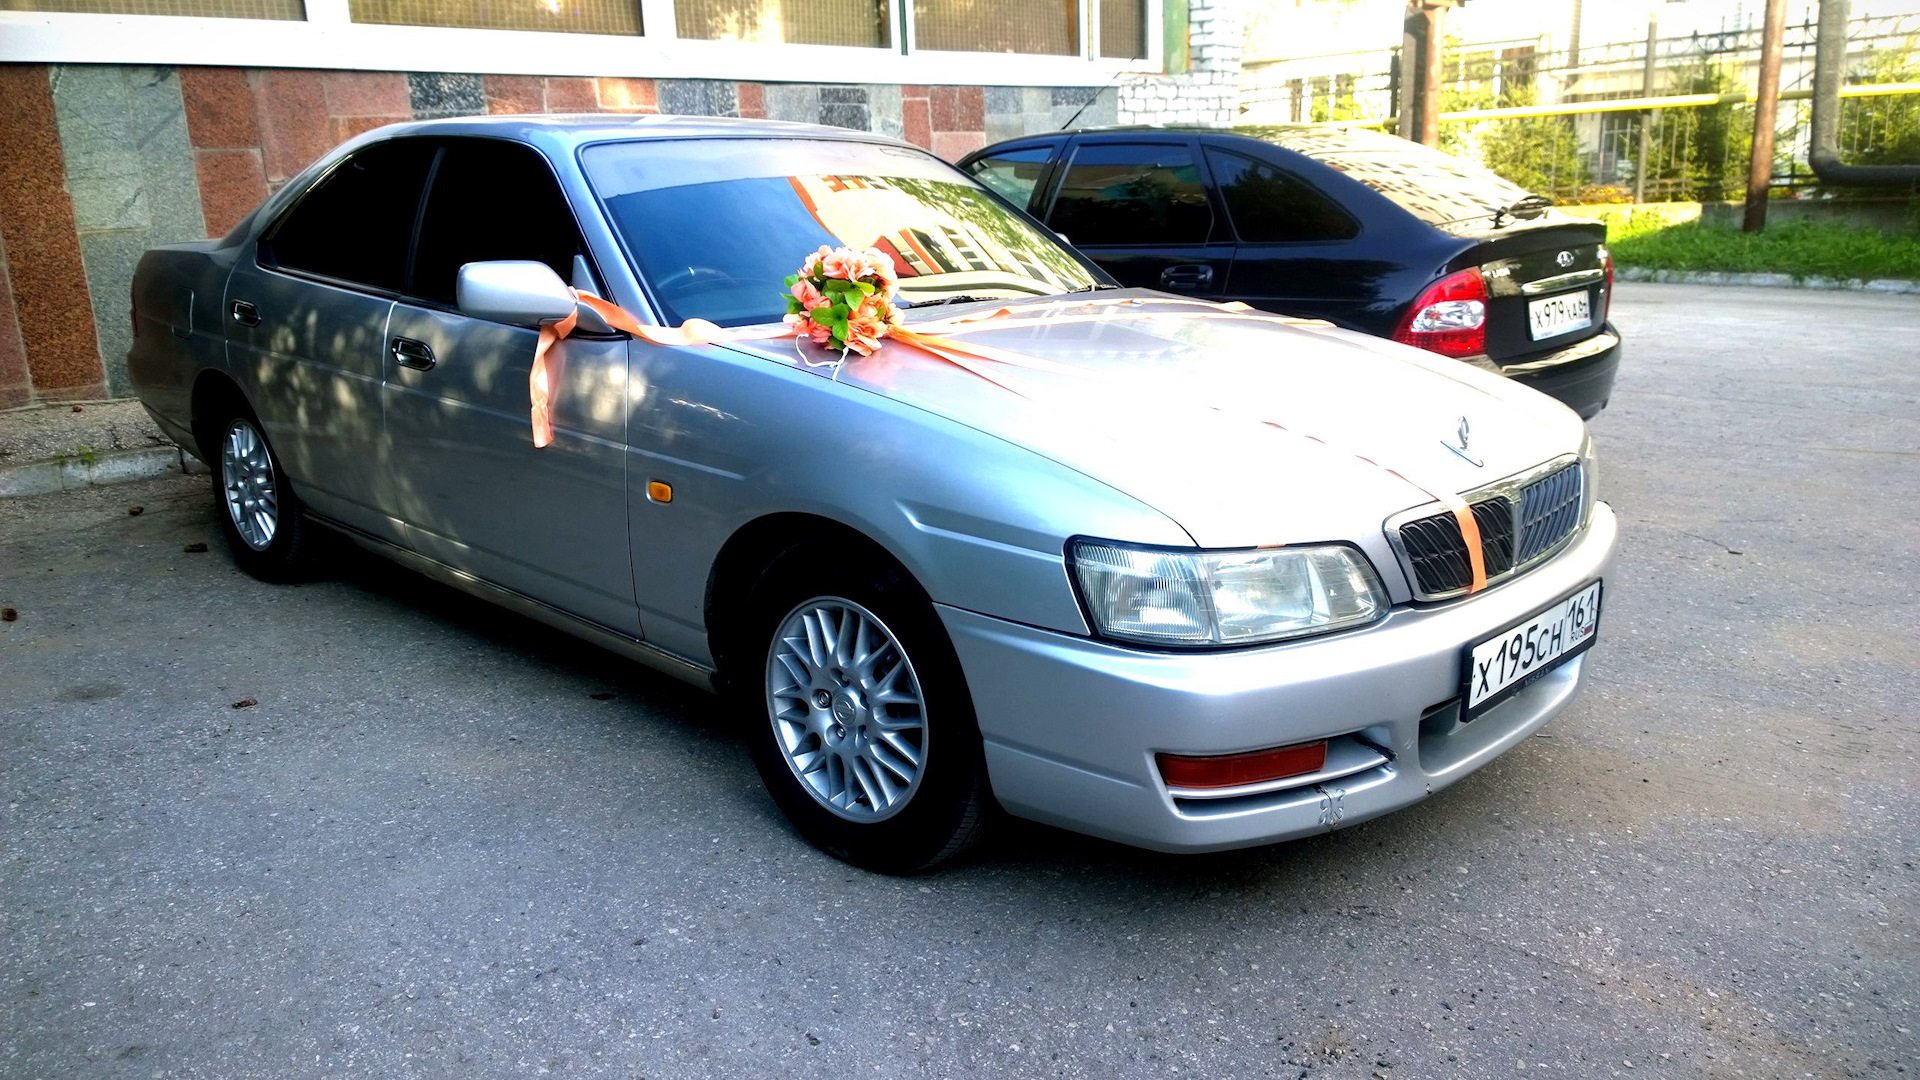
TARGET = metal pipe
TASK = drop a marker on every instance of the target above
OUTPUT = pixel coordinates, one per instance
(1646, 118)
(1766, 110)
(1829, 72)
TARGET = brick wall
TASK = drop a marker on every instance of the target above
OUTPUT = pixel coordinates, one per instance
(105, 161)
(1209, 91)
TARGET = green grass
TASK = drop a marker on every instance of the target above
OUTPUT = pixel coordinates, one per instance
(1802, 249)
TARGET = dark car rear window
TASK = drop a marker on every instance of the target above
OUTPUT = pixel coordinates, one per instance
(1435, 187)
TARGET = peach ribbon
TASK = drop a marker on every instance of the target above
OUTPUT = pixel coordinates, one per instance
(933, 338)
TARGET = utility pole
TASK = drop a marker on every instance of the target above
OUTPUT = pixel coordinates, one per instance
(1766, 109)
(1647, 74)
(1422, 50)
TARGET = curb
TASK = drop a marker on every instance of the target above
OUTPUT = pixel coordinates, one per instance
(1888, 286)
(46, 477)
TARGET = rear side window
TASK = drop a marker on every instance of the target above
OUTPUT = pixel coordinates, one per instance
(1269, 206)
(354, 224)
(491, 200)
(1134, 194)
(1013, 174)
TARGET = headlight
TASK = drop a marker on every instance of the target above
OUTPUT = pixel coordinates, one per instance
(1589, 478)
(1211, 598)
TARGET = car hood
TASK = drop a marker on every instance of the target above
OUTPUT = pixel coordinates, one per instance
(1244, 431)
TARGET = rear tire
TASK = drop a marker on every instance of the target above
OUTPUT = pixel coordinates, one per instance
(859, 718)
(259, 514)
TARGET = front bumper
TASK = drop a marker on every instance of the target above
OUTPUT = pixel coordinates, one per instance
(1071, 725)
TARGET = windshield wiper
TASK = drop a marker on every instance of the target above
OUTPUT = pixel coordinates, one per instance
(959, 298)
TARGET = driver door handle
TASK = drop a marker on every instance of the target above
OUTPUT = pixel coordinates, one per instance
(1186, 276)
(414, 354)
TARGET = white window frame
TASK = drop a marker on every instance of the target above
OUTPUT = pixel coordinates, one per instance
(329, 39)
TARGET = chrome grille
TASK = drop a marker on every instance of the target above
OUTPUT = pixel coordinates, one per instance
(1549, 510)
(1522, 520)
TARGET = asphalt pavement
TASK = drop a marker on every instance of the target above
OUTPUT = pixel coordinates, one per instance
(368, 827)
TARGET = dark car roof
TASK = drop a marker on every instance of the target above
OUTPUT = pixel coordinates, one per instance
(1303, 138)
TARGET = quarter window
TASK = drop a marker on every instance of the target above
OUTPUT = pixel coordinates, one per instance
(1135, 195)
(1014, 174)
(353, 225)
(491, 200)
(1269, 206)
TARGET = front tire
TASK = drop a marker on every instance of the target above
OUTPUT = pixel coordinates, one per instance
(259, 514)
(861, 725)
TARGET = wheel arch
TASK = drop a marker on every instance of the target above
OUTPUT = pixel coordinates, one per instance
(213, 392)
(754, 549)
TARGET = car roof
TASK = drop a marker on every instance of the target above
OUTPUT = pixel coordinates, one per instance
(1307, 139)
(563, 131)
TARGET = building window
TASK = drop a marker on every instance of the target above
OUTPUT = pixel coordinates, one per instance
(1043, 27)
(205, 9)
(1123, 29)
(860, 23)
(566, 16)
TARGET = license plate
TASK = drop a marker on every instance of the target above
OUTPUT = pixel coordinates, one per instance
(1501, 665)
(1563, 314)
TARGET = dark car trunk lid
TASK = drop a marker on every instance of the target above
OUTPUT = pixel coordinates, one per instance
(1549, 260)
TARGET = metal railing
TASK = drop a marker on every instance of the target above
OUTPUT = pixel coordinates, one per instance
(1659, 119)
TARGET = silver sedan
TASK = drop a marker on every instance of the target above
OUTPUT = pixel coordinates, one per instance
(1169, 573)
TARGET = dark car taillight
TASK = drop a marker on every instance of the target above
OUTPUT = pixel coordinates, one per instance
(1450, 318)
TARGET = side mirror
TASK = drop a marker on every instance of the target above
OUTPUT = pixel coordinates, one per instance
(514, 291)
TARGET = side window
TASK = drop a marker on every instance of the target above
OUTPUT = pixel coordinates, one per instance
(1133, 194)
(355, 222)
(491, 199)
(1013, 174)
(1268, 206)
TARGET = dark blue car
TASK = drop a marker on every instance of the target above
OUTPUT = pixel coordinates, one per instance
(1368, 231)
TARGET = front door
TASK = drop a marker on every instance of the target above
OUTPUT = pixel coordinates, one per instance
(1140, 210)
(474, 493)
(307, 320)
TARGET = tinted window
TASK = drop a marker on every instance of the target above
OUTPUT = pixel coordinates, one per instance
(1436, 188)
(1269, 206)
(1133, 194)
(1013, 174)
(715, 226)
(491, 200)
(355, 223)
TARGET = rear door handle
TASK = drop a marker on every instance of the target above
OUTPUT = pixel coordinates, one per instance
(1186, 277)
(245, 314)
(414, 354)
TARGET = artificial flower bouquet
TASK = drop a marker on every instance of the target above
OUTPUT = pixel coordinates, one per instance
(843, 299)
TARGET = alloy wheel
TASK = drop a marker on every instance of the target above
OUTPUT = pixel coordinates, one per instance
(246, 475)
(847, 709)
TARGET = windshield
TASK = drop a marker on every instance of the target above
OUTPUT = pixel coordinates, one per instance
(715, 226)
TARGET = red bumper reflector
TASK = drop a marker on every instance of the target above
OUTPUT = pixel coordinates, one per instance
(1233, 770)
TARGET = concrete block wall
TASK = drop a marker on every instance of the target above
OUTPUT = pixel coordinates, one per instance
(104, 161)
(1208, 93)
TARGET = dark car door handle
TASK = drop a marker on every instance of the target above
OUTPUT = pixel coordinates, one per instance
(245, 314)
(1186, 277)
(414, 354)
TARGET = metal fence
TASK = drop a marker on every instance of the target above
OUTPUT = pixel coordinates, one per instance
(1556, 124)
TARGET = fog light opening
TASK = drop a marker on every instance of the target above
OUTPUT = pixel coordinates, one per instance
(1236, 770)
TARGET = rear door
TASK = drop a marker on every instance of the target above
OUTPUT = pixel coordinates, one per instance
(465, 477)
(1300, 252)
(1140, 209)
(307, 319)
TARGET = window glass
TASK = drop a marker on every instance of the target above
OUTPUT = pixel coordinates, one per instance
(716, 226)
(491, 200)
(794, 22)
(1135, 194)
(1435, 187)
(1268, 206)
(575, 16)
(354, 223)
(1049, 27)
(1123, 29)
(221, 9)
(1014, 173)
